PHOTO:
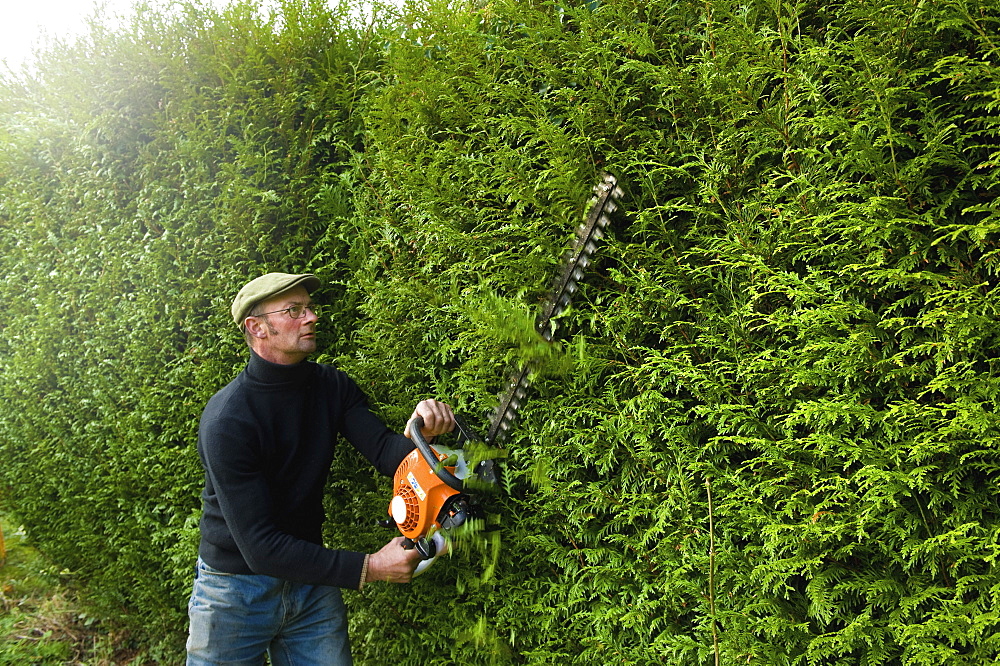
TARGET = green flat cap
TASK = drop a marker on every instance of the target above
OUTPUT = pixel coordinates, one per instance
(264, 288)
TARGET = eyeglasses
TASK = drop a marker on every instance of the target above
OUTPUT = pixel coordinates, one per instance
(295, 312)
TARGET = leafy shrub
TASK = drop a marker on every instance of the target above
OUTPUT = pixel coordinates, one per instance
(145, 175)
(767, 432)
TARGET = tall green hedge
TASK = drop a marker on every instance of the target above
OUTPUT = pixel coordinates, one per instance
(144, 175)
(767, 433)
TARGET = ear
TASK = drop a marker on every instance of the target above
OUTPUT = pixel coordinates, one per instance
(255, 327)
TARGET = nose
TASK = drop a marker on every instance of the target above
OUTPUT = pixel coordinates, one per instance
(310, 315)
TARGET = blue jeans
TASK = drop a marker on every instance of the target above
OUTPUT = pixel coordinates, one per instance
(236, 619)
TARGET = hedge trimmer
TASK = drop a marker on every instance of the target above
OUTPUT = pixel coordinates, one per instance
(434, 489)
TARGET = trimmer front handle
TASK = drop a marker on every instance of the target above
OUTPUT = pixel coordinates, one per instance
(432, 460)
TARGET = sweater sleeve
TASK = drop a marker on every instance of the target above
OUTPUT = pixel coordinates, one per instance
(239, 517)
(383, 448)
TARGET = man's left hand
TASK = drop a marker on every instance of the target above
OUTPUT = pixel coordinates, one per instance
(438, 418)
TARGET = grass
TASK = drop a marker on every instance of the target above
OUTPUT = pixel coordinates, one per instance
(42, 621)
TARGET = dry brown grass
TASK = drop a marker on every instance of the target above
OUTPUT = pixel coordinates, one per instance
(43, 622)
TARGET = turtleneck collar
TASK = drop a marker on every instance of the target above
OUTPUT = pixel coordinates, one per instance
(266, 372)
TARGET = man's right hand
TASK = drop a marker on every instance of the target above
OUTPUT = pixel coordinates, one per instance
(393, 563)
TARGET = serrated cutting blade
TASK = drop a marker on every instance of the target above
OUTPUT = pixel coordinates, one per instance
(578, 258)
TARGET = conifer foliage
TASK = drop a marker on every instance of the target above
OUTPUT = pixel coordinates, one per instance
(767, 431)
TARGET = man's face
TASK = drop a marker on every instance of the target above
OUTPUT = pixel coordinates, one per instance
(279, 338)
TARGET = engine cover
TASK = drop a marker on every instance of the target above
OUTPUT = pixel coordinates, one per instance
(421, 500)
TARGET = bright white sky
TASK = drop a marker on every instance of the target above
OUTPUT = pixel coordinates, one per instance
(24, 23)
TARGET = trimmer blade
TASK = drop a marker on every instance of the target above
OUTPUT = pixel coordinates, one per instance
(578, 258)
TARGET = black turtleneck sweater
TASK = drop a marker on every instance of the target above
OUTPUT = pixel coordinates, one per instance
(266, 441)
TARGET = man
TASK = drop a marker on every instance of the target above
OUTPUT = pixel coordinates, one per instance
(264, 581)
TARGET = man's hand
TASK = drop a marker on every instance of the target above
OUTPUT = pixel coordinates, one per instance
(393, 563)
(438, 419)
